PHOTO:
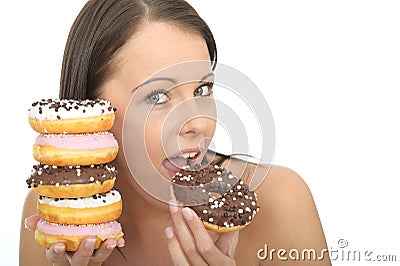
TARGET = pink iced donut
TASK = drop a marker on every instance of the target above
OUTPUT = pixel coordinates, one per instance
(47, 233)
(75, 149)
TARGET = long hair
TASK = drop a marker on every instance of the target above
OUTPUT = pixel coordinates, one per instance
(104, 26)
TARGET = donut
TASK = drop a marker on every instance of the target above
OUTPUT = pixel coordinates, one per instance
(85, 210)
(75, 149)
(57, 116)
(71, 181)
(222, 201)
(47, 233)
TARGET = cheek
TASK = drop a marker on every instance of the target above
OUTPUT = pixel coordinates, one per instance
(212, 124)
(153, 140)
(212, 120)
(118, 98)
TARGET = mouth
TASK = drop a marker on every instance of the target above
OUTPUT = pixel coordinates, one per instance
(185, 159)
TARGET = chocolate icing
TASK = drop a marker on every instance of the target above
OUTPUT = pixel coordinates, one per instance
(43, 174)
(216, 195)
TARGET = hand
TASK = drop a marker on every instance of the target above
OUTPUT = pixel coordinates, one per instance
(85, 255)
(189, 243)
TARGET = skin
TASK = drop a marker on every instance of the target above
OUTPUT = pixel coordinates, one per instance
(165, 234)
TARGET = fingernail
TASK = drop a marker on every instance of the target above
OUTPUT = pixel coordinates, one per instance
(231, 250)
(111, 246)
(121, 243)
(90, 243)
(187, 213)
(58, 248)
(173, 206)
(169, 232)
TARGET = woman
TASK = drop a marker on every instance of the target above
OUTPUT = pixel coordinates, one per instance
(113, 48)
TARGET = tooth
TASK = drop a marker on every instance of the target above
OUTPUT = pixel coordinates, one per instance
(193, 154)
(185, 155)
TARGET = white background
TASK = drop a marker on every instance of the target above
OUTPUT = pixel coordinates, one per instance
(330, 71)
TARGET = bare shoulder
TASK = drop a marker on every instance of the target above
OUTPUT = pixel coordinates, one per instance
(287, 201)
(283, 184)
(288, 220)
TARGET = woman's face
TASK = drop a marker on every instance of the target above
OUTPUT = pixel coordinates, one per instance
(163, 95)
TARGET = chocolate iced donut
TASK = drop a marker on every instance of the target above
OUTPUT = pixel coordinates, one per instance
(222, 201)
(71, 116)
(71, 181)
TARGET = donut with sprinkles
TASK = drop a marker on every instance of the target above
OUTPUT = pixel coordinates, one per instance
(71, 181)
(94, 209)
(61, 116)
(222, 201)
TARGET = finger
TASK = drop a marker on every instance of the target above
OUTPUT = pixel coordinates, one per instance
(174, 248)
(31, 222)
(55, 253)
(227, 243)
(84, 253)
(184, 235)
(205, 245)
(104, 251)
(121, 242)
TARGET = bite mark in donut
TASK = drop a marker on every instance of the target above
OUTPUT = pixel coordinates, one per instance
(222, 201)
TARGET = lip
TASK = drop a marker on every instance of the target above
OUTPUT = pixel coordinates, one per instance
(172, 168)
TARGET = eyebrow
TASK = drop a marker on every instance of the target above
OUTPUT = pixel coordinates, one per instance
(172, 80)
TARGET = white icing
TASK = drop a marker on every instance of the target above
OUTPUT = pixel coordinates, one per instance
(48, 113)
(87, 202)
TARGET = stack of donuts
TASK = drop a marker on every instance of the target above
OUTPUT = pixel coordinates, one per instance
(74, 178)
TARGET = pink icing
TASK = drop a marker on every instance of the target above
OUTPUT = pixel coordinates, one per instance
(109, 228)
(101, 140)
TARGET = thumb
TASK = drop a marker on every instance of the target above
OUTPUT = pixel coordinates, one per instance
(31, 222)
(227, 243)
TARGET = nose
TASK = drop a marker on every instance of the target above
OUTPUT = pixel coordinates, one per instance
(194, 127)
(194, 113)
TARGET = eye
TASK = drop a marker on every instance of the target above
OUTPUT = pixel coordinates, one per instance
(204, 89)
(157, 97)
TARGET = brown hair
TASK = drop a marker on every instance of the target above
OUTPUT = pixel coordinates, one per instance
(103, 27)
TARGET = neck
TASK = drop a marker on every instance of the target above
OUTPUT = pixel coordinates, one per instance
(143, 220)
(142, 214)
